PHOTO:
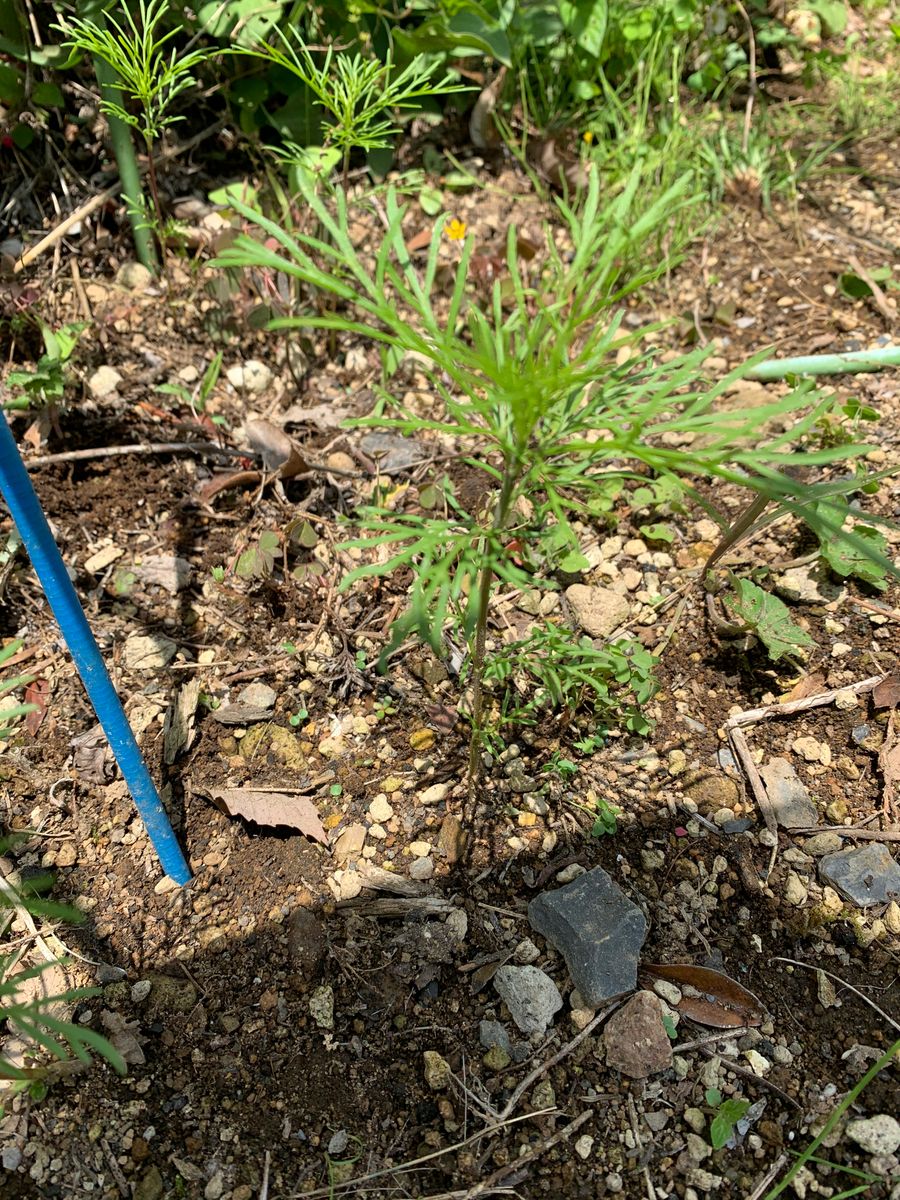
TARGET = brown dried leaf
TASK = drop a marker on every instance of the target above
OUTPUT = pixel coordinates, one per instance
(889, 765)
(708, 996)
(324, 417)
(482, 128)
(419, 241)
(271, 809)
(556, 162)
(484, 969)
(178, 728)
(443, 717)
(226, 481)
(37, 693)
(279, 451)
(809, 685)
(887, 693)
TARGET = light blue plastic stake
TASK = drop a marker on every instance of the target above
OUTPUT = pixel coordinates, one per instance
(51, 571)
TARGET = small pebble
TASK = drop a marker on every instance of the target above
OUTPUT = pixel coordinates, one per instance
(876, 1135)
(421, 868)
(380, 810)
(437, 1070)
(567, 874)
(584, 1145)
(795, 891)
(434, 794)
(526, 952)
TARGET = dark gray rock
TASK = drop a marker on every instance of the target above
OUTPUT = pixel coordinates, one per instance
(794, 808)
(866, 875)
(492, 1033)
(597, 930)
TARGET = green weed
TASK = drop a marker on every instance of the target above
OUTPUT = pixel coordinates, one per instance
(195, 399)
(11, 714)
(142, 65)
(526, 380)
(36, 1019)
(46, 384)
(889, 1058)
(727, 1113)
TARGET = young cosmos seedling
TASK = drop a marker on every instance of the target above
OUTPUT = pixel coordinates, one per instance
(527, 384)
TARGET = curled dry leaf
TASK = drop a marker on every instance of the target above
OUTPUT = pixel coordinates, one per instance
(809, 685)
(37, 693)
(887, 693)
(482, 128)
(709, 997)
(226, 481)
(483, 969)
(271, 809)
(889, 764)
(279, 452)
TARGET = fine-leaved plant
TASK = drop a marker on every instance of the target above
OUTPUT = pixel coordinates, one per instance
(529, 390)
(37, 1019)
(136, 59)
(358, 97)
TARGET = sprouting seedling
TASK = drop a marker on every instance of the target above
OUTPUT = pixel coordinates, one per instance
(46, 383)
(727, 1114)
(196, 398)
(147, 71)
(360, 96)
(9, 715)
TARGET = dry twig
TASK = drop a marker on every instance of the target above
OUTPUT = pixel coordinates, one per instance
(849, 986)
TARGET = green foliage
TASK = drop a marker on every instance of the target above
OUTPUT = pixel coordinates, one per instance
(196, 399)
(840, 424)
(359, 96)
(808, 1154)
(9, 716)
(136, 59)
(606, 818)
(768, 617)
(555, 670)
(258, 561)
(36, 1019)
(150, 72)
(563, 767)
(245, 23)
(856, 288)
(46, 383)
(526, 379)
(864, 557)
(727, 1115)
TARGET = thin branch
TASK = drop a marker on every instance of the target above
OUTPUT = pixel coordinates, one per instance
(849, 986)
(544, 1067)
(48, 460)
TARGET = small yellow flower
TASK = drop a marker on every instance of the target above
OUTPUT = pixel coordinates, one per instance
(587, 137)
(456, 230)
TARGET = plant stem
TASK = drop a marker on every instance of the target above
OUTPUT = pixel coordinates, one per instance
(129, 173)
(154, 193)
(827, 364)
(485, 579)
(851, 1097)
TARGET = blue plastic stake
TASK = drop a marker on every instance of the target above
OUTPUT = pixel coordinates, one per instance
(51, 571)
